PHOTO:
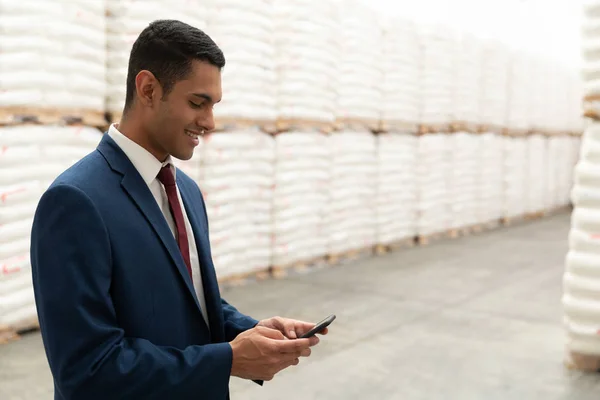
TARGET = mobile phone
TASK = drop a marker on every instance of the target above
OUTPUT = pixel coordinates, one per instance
(319, 327)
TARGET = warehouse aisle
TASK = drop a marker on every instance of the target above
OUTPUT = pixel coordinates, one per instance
(475, 318)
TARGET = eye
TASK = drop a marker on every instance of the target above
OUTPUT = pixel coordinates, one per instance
(194, 105)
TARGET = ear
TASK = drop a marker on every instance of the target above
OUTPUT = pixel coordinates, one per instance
(148, 88)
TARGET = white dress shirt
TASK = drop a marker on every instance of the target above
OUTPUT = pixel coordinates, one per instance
(149, 167)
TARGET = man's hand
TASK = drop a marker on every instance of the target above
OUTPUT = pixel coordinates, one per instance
(290, 328)
(260, 353)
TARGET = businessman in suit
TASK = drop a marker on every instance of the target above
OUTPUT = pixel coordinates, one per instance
(125, 287)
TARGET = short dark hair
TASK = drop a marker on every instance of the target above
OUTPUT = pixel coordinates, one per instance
(167, 48)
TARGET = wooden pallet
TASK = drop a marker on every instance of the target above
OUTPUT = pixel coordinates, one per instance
(243, 278)
(508, 221)
(381, 249)
(582, 362)
(462, 126)
(297, 267)
(30, 115)
(398, 126)
(231, 124)
(348, 256)
(356, 124)
(12, 332)
(465, 231)
(425, 129)
(535, 215)
(424, 240)
(285, 125)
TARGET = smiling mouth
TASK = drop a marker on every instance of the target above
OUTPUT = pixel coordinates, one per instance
(192, 134)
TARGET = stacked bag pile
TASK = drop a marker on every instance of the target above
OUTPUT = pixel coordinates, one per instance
(360, 67)
(401, 85)
(307, 48)
(236, 180)
(21, 184)
(245, 31)
(53, 55)
(351, 218)
(581, 282)
(494, 85)
(396, 201)
(537, 179)
(301, 197)
(489, 181)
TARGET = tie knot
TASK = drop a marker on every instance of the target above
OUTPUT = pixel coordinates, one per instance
(165, 176)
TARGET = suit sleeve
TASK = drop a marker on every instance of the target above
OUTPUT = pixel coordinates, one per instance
(89, 355)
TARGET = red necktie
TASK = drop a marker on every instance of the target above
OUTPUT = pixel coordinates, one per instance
(165, 176)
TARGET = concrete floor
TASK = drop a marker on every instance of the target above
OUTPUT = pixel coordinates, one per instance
(474, 318)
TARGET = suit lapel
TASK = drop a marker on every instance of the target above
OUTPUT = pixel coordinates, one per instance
(139, 192)
(209, 278)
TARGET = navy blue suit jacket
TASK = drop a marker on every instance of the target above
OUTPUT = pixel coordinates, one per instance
(118, 313)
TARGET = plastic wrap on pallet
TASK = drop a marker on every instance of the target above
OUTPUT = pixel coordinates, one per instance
(300, 197)
(236, 181)
(515, 172)
(438, 45)
(245, 31)
(53, 54)
(401, 89)
(537, 179)
(31, 157)
(489, 177)
(468, 59)
(464, 168)
(124, 22)
(396, 203)
(308, 49)
(351, 217)
(494, 84)
(361, 67)
(581, 282)
(433, 174)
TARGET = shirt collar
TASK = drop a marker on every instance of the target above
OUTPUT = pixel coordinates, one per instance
(146, 164)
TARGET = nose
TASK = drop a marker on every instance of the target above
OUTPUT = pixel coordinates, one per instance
(206, 120)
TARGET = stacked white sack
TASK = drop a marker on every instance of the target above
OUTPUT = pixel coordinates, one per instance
(591, 54)
(245, 32)
(361, 69)
(396, 187)
(537, 173)
(519, 91)
(467, 75)
(434, 161)
(300, 197)
(307, 59)
(351, 217)
(437, 77)
(515, 175)
(581, 286)
(540, 94)
(236, 181)
(494, 86)
(464, 170)
(125, 20)
(489, 181)
(52, 54)
(22, 182)
(401, 89)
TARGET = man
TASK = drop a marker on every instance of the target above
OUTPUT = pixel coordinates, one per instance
(127, 296)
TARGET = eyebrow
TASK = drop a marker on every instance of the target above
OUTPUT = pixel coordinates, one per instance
(203, 96)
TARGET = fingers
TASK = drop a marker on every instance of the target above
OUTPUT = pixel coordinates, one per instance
(270, 333)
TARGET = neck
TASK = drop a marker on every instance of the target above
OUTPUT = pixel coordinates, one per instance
(134, 130)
